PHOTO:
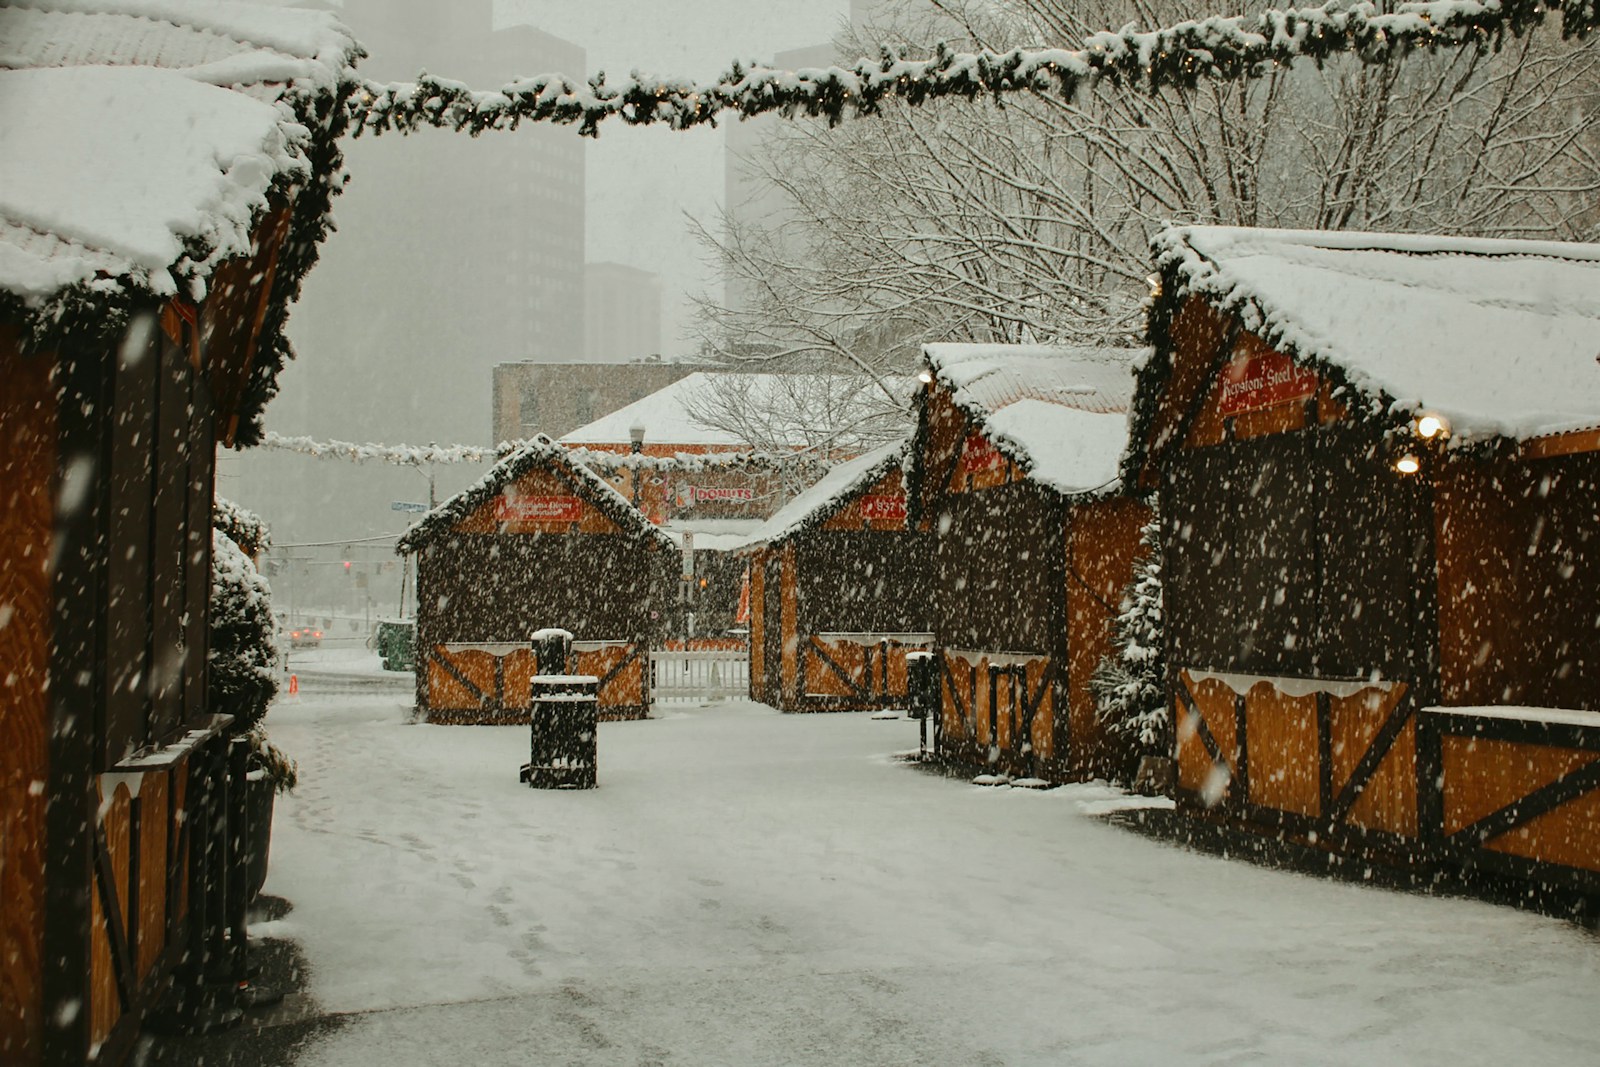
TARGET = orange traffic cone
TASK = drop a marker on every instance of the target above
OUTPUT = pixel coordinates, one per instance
(294, 685)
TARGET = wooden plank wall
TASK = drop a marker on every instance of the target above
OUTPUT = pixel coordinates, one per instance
(28, 443)
(1103, 544)
(1519, 578)
(757, 564)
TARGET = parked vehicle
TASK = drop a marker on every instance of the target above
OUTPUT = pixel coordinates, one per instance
(305, 637)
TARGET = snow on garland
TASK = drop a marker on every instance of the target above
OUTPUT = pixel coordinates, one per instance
(422, 455)
(407, 455)
(1216, 48)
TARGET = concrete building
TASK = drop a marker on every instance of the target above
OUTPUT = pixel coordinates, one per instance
(557, 398)
(622, 313)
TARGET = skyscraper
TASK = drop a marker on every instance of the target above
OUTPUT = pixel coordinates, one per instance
(452, 254)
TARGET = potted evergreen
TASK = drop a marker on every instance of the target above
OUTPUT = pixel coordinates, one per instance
(243, 681)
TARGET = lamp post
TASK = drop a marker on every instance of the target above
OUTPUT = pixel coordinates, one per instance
(636, 446)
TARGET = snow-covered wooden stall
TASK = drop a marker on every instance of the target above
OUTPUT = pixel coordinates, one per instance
(540, 541)
(1014, 474)
(1378, 466)
(165, 176)
(839, 592)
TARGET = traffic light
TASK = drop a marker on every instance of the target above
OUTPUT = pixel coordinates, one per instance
(347, 566)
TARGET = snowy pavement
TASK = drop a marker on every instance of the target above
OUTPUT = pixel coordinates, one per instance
(747, 888)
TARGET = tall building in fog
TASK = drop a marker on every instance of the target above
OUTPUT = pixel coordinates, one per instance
(748, 198)
(452, 254)
(622, 309)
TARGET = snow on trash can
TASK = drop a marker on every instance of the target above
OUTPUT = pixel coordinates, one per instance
(563, 746)
(552, 648)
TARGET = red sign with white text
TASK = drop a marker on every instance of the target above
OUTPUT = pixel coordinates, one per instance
(979, 454)
(884, 506)
(1263, 381)
(537, 509)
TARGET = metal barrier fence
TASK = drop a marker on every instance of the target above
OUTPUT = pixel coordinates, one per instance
(700, 675)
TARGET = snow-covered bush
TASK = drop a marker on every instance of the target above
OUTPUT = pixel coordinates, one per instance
(1128, 682)
(244, 651)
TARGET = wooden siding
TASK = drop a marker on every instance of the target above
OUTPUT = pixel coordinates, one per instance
(1517, 794)
(1102, 545)
(28, 441)
(1519, 578)
(999, 712)
(788, 626)
(757, 564)
(855, 672)
(486, 686)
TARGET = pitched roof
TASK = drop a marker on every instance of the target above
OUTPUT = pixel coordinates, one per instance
(1060, 412)
(528, 456)
(778, 402)
(822, 500)
(1501, 337)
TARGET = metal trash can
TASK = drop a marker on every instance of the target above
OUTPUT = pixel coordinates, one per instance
(563, 749)
(922, 687)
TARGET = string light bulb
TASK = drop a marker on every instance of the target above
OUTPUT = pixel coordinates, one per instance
(1430, 426)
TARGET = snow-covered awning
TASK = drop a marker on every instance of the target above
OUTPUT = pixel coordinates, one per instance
(1499, 336)
(1060, 412)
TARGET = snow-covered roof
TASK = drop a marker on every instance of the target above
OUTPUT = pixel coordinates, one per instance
(89, 187)
(668, 414)
(139, 138)
(1499, 336)
(820, 501)
(527, 456)
(1061, 412)
(139, 143)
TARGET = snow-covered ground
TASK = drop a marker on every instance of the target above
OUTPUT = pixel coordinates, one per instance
(747, 888)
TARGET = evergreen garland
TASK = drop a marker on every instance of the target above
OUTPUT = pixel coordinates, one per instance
(1182, 55)
(1128, 684)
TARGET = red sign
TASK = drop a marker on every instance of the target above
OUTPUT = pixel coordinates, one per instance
(886, 506)
(979, 454)
(537, 509)
(1263, 381)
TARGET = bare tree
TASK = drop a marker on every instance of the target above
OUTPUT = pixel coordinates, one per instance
(958, 221)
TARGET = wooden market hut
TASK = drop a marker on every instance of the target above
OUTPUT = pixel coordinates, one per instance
(1378, 465)
(541, 541)
(154, 227)
(839, 592)
(1014, 475)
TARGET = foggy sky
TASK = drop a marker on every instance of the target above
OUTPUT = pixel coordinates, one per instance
(641, 181)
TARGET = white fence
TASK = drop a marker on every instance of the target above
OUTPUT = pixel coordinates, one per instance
(699, 676)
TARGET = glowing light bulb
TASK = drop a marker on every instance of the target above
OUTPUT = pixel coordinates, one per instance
(925, 377)
(1431, 426)
(1408, 464)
